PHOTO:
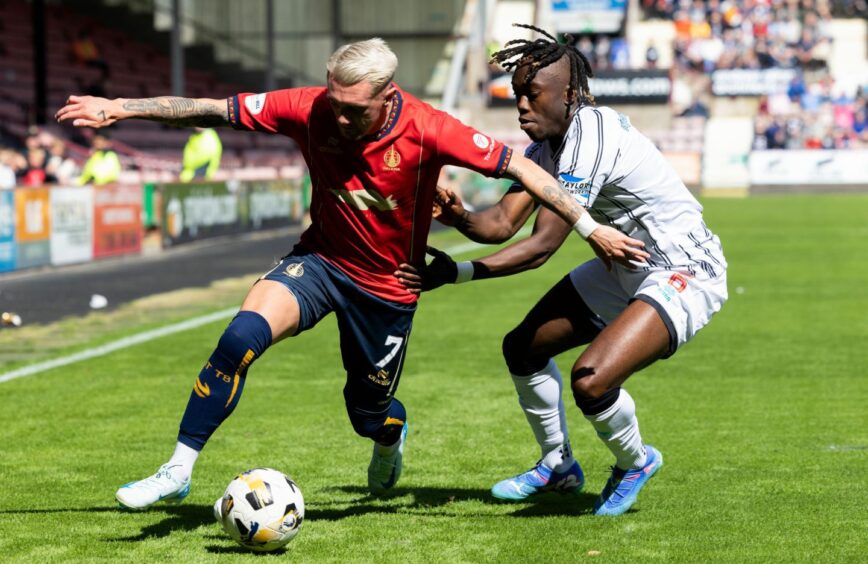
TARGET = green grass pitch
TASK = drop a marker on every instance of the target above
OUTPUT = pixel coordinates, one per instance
(762, 419)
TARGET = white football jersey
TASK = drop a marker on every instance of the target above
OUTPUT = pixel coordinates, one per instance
(621, 178)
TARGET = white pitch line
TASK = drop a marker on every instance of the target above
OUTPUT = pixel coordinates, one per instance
(146, 336)
(123, 343)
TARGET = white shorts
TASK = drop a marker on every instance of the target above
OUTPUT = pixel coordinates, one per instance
(686, 303)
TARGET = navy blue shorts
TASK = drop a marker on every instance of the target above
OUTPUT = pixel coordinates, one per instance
(373, 331)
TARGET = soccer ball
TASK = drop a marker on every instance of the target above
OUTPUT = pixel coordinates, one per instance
(262, 509)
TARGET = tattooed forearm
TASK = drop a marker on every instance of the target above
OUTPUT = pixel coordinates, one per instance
(179, 111)
(559, 201)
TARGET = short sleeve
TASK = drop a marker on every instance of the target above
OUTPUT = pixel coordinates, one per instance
(461, 145)
(279, 111)
(588, 155)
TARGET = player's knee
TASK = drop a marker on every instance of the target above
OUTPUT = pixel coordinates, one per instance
(243, 341)
(518, 354)
(591, 397)
(587, 385)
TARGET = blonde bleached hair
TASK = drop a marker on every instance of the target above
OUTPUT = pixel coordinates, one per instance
(369, 60)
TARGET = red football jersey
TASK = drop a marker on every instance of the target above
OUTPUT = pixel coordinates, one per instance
(371, 198)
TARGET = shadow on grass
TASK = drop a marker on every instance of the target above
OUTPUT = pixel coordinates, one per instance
(443, 499)
(178, 518)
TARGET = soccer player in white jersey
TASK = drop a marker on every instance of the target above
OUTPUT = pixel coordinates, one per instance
(631, 315)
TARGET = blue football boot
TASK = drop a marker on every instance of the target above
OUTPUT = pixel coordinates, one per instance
(540, 479)
(624, 485)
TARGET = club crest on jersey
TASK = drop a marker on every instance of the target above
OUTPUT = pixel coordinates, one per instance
(295, 269)
(392, 158)
(580, 188)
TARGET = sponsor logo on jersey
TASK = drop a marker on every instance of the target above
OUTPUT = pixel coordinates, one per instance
(481, 141)
(255, 103)
(392, 158)
(580, 188)
(624, 121)
(295, 269)
(678, 281)
(365, 199)
(381, 378)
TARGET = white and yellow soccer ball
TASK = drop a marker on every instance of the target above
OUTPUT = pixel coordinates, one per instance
(262, 509)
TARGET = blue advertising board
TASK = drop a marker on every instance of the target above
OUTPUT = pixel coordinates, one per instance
(7, 230)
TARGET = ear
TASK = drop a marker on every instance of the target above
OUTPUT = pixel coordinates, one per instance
(570, 95)
(389, 93)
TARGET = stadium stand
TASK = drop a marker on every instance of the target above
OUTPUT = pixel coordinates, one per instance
(86, 57)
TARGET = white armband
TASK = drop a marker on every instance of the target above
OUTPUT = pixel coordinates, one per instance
(585, 226)
(465, 272)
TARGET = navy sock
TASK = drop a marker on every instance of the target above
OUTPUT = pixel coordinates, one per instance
(219, 385)
(394, 424)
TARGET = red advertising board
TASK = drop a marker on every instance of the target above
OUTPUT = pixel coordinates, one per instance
(117, 220)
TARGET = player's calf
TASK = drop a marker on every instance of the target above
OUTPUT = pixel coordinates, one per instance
(218, 387)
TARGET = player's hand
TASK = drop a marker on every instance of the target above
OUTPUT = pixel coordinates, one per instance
(441, 270)
(87, 111)
(448, 208)
(613, 246)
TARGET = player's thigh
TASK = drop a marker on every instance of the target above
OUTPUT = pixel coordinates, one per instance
(559, 321)
(374, 336)
(294, 295)
(633, 340)
(273, 301)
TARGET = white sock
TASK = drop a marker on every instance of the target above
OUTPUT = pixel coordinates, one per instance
(618, 428)
(182, 461)
(539, 395)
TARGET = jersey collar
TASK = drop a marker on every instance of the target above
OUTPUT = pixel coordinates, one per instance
(392, 119)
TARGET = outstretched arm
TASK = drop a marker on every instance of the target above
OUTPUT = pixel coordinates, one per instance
(90, 111)
(608, 243)
(491, 225)
(549, 233)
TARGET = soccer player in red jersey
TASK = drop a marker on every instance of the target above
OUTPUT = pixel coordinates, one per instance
(374, 154)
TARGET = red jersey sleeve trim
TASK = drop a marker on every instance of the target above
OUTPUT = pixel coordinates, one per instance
(503, 162)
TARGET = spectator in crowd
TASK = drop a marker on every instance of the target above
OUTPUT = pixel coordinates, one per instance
(103, 166)
(202, 155)
(59, 165)
(10, 163)
(748, 34)
(812, 115)
(86, 53)
(652, 56)
(33, 172)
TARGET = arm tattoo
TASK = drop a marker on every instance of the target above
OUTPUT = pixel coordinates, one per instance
(558, 200)
(179, 111)
(514, 172)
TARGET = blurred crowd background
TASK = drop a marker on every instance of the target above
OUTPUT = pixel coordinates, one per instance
(798, 95)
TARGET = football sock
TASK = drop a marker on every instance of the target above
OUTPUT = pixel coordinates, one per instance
(182, 461)
(219, 385)
(618, 428)
(392, 428)
(540, 398)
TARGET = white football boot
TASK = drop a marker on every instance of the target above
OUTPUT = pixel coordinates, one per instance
(385, 469)
(162, 486)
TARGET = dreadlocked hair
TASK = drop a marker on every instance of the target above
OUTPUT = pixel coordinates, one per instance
(543, 51)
